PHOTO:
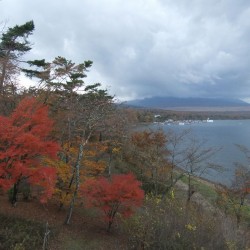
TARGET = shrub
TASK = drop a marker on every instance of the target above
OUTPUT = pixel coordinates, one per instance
(166, 224)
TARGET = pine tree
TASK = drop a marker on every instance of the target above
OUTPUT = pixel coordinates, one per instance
(13, 45)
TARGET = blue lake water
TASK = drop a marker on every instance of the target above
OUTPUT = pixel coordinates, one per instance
(224, 134)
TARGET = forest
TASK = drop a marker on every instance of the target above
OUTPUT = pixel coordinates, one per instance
(77, 172)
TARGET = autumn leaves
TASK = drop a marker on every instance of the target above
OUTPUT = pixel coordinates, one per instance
(28, 154)
(24, 142)
(119, 194)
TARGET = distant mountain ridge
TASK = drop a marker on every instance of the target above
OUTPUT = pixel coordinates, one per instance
(176, 102)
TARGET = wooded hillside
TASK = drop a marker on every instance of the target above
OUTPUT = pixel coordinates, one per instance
(75, 175)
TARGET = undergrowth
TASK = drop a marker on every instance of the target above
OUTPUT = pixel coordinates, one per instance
(20, 234)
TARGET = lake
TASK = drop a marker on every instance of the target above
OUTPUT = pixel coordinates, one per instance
(224, 134)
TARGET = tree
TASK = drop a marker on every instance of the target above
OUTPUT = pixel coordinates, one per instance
(237, 194)
(195, 161)
(24, 141)
(13, 45)
(121, 194)
(93, 162)
(61, 77)
(114, 135)
(90, 112)
(79, 117)
(176, 154)
(147, 155)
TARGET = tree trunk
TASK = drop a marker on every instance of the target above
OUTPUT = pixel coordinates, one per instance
(15, 192)
(239, 211)
(77, 183)
(67, 193)
(3, 73)
(189, 189)
(109, 164)
(109, 226)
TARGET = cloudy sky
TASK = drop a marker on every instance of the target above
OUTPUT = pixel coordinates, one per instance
(143, 48)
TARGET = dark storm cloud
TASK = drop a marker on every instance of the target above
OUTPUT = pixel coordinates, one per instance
(144, 48)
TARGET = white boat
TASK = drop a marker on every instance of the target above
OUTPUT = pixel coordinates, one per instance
(208, 120)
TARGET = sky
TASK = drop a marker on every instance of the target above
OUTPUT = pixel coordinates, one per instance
(144, 48)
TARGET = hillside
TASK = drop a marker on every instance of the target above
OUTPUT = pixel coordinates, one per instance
(195, 104)
(23, 227)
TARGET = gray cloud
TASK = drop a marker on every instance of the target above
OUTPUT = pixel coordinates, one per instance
(144, 48)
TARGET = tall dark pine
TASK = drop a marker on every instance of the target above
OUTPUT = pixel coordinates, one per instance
(13, 45)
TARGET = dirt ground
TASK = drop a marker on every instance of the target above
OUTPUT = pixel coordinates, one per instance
(84, 231)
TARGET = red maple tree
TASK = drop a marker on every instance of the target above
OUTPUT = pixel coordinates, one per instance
(24, 141)
(120, 194)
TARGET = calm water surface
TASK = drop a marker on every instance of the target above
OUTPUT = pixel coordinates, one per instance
(221, 133)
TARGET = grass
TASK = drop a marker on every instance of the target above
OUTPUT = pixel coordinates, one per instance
(209, 192)
(84, 243)
(246, 214)
(206, 190)
(80, 244)
(20, 234)
(23, 228)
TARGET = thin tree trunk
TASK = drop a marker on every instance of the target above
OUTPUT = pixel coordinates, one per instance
(46, 237)
(67, 193)
(239, 211)
(3, 73)
(189, 188)
(109, 164)
(77, 183)
(15, 192)
(67, 160)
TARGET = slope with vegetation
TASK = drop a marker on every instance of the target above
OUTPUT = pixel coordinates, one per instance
(78, 177)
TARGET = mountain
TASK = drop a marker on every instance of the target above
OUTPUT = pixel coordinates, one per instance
(190, 103)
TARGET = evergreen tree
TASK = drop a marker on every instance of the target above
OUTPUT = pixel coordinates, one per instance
(13, 45)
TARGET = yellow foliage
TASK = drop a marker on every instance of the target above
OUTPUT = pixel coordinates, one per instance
(172, 194)
(155, 198)
(63, 169)
(93, 167)
(190, 227)
(64, 173)
(116, 150)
